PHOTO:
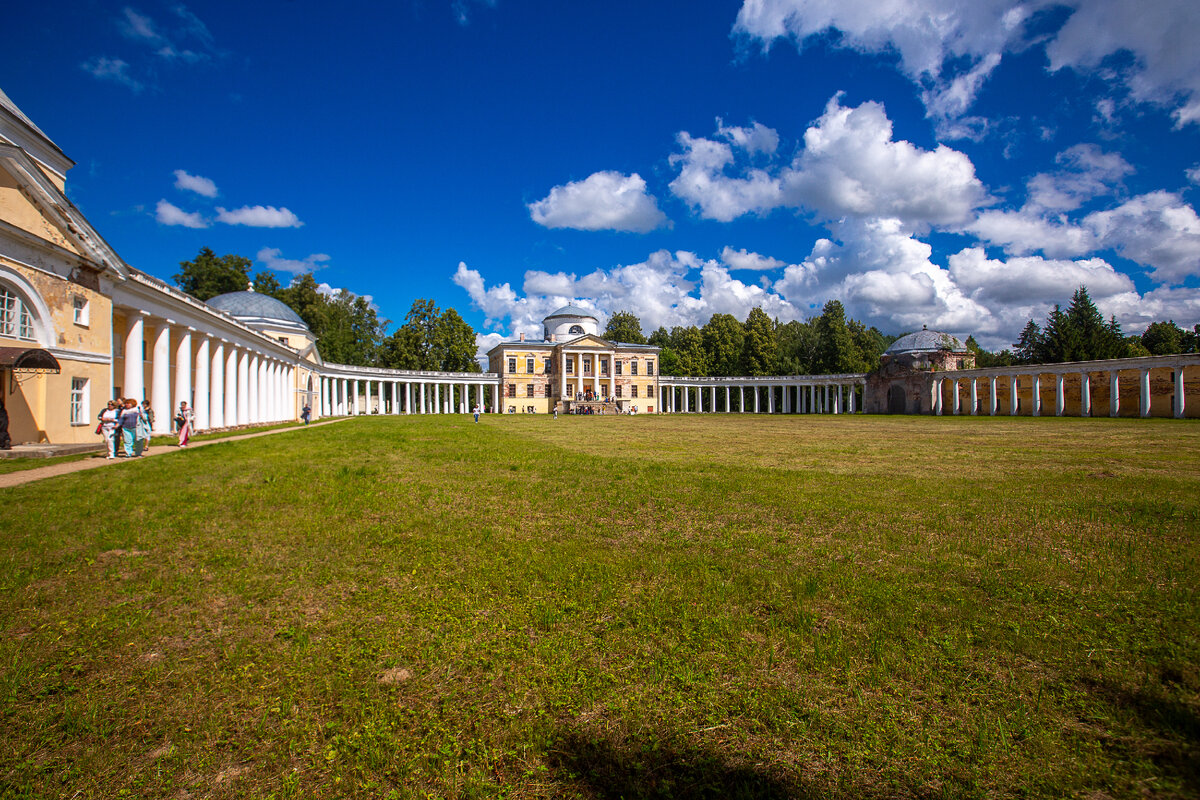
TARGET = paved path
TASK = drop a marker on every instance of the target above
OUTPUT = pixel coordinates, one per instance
(38, 473)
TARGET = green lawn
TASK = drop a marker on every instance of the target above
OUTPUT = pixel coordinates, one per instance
(603, 607)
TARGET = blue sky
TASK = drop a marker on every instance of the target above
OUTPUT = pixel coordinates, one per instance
(951, 164)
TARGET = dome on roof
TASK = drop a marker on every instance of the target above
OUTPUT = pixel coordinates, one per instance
(257, 310)
(572, 311)
(926, 341)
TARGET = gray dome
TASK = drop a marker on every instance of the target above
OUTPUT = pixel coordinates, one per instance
(926, 341)
(572, 311)
(253, 308)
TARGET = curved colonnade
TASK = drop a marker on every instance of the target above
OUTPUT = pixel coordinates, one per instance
(809, 394)
(1078, 387)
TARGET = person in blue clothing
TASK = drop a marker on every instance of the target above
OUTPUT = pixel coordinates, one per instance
(131, 416)
(476, 410)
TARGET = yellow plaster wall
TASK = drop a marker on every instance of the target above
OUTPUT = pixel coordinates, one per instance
(18, 210)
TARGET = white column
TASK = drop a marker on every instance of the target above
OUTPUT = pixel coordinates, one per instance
(421, 405)
(135, 366)
(1037, 394)
(995, 405)
(367, 390)
(1060, 400)
(160, 379)
(755, 399)
(937, 396)
(853, 392)
(216, 390)
(231, 386)
(256, 388)
(1180, 400)
(203, 385)
(1085, 394)
(1145, 393)
(974, 396)
(183, 370)
(1114, 394)
(244, 389)
(1013, 399)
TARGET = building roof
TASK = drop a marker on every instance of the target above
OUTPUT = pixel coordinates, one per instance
(7, 104)
(926, 341)
(256, 307)
(572, 311)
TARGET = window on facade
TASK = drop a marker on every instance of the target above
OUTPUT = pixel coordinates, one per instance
(619, 388)
(529, 365)
(512, 365)
(587, 366)
(633, 367)
(529, 390)
(15, 320)
(570, 366)
(79, 415)
(512, 390)
(81, 310)
(618, 365)
(576, 329)
(604, 366)
(633, 391)
(650, 391)
(649, 367)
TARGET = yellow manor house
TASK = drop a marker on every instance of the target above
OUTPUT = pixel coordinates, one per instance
(574, 370)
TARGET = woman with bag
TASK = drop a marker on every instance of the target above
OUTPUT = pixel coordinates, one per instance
(107, 426)
(130, 419)
(145, 427)
(183, 420)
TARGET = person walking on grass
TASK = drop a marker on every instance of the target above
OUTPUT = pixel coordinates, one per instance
(476, 411)
(131, 418)
(110, 420)
(147, 426)
(306, 414)
(183, 421)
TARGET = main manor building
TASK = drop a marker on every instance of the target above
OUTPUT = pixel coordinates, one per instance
(573, 369)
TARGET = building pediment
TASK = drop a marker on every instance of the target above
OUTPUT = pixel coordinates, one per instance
(588, 341)
(61, 224)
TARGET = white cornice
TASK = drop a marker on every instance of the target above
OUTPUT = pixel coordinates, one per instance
(34, 142)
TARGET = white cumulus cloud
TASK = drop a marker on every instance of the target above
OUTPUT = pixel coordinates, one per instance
(194, 183)
(850, 166)
(169, 214)
(743, 259)
(602, 201)
(272, 258)
(259, 217)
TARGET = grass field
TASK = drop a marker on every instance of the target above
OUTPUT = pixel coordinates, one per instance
(603, 607)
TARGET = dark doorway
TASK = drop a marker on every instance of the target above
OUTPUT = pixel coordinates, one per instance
(896, 401)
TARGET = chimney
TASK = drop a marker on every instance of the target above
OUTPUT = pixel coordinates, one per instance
(522, 336)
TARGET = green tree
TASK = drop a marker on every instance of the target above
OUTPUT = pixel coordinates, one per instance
(1164, 338)
(454, 343)
(669, 363)
(623, 326)
(265, 282)
(837, 351)
(870, 343)
(208, 275)
(688, 346)
(1028, 346)
(759, 345)
(797, 351)
(660, 338)
(723, 339)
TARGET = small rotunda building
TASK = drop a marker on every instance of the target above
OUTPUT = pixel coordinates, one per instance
(900, 385)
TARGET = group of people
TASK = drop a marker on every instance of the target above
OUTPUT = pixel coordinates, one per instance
(126, 427)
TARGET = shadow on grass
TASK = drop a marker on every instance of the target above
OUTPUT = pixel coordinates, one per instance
(622, 768)
(1176, 747)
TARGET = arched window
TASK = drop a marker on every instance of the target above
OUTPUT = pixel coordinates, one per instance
(16, 321)
(576, 329)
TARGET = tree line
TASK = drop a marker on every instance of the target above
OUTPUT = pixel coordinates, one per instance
(1080, 333)
(828, 344)
(348, 329)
